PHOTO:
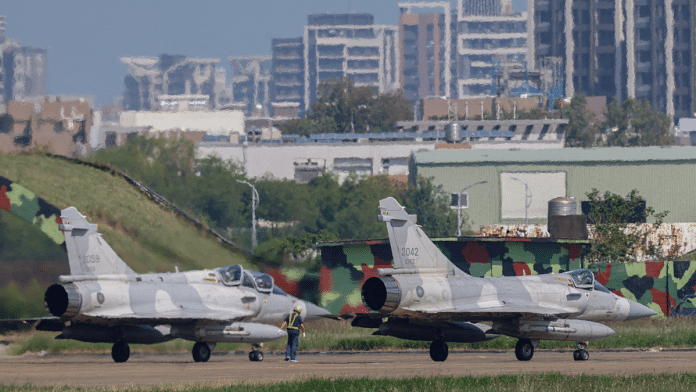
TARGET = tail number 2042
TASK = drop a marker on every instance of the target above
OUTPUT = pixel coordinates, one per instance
(409, 251)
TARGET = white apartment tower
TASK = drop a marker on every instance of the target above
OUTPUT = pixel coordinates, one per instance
(489, 33)
(351, 46)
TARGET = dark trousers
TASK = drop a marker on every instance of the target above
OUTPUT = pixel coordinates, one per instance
(293, 341)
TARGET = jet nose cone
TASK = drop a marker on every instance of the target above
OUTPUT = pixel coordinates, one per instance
(314, 311)
(638, 311)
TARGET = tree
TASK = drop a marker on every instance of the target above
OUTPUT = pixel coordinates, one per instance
(216, 194)
(431, 206)
(634, 124)
(357, 109)
(581, 132)
(617, 239)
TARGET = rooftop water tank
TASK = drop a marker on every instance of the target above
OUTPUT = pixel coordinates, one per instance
(453, 132)
(563, 206)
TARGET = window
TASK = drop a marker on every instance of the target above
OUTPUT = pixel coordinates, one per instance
(455, 200)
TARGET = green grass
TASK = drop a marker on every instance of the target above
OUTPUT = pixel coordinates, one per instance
(503, 383)
(327, 335)
(146, 235)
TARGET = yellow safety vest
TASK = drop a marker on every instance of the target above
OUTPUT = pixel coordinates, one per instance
(291, 321)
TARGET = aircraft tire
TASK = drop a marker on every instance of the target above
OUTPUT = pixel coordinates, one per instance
(524, 350)
(120, 352)
(439, 350)
(201, 352)
(581, 355)
(584, 355)
(259, 356)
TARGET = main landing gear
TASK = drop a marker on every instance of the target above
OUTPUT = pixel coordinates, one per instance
(201, 351)
(524, 349)
(120, 351)
(438, 350)
(581, 354)
(255, 355)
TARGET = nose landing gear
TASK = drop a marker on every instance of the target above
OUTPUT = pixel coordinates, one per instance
(581, 354)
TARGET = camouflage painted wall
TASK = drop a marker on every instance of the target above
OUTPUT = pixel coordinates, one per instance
(659, 285)
(33, 209)
(346, 266)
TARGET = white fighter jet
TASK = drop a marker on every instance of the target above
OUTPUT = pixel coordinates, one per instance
(104, 300)
(426, 297)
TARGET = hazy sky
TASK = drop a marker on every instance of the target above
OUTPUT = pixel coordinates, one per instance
(86, 38)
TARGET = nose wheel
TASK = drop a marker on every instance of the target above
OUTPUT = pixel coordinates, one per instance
(255, 355)
(581, 354)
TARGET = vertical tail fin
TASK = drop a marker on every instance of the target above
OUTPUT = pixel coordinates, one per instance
(88, 253)
(411, 247)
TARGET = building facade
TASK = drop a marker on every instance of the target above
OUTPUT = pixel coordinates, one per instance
(149, 77)
(621, 48)
(489, 34)
(426, 44)
(251, 84)
(22, 69)
(349, 46)
(288, 69)
(661, 175)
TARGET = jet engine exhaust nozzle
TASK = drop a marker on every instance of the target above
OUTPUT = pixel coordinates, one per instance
(381, 294)
(63, 300)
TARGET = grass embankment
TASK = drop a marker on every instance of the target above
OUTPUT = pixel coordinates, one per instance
(146, 235)
(340, 336)
(523, 382)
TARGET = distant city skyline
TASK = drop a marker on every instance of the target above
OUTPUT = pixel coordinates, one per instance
(86, 39)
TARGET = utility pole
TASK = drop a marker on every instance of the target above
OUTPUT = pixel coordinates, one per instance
(459, 207)
(254, 201)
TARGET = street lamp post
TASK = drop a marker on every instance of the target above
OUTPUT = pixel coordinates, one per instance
(254, 201)
(527, 198)
(459, 207)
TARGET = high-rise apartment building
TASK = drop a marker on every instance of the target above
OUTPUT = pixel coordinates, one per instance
(489, 33)
(287, 71)
(22, 69)
(640, 49)
(350, 46)
(251, 82)
(426, 46)
(148, 78)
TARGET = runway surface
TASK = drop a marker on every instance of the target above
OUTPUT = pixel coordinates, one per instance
(166, 369)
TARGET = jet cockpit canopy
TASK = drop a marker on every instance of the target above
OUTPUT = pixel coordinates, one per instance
(584, 279)
(259, 281)
(231, 275)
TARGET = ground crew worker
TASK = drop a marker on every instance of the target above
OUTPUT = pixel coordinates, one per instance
(294, 323)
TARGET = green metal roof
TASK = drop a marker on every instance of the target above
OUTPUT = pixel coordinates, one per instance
(609, 154)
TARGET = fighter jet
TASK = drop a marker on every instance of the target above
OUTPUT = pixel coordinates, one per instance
(104, 300)
(426, 297)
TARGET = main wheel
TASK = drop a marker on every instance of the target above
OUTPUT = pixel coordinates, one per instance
(584, 355)
(439, 350)
(258, 356)
(524, 350)
(120, 352)
(201, 352)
